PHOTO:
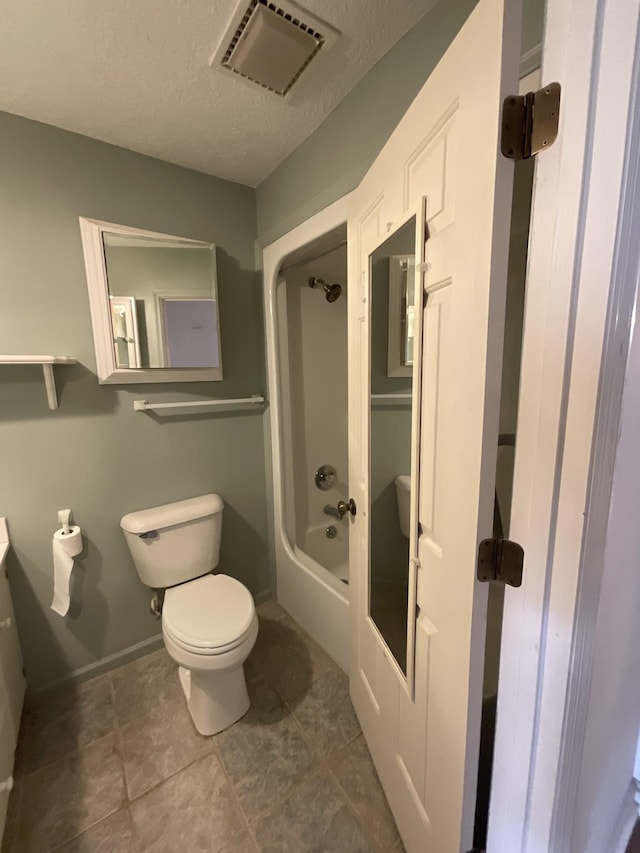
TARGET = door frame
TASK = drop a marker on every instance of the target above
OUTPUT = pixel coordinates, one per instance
(578, 314)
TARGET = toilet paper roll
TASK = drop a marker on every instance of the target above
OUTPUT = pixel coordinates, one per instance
(66, 546)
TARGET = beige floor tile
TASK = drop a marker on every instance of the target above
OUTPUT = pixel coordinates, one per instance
(182, 800)
(325, 712)
(271, 610)
(354, 770)
(112, 835)
(286, 657)
(145, 684)
(65, 798)
(242, 843)
(65, 720)
(314, 819)
(255, 734)
(193, 811)
(276, 761)
(158, 744)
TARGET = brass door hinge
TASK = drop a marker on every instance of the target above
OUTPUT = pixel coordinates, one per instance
(500, 560)
(530, 122)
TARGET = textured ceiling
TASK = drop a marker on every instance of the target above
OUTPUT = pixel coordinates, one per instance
(136, 73)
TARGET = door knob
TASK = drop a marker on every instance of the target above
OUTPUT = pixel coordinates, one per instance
(346, 506)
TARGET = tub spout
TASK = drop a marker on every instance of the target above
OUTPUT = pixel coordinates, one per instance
(332, 511)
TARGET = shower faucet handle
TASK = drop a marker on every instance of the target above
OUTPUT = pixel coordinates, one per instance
(325, 477)
(346, 506)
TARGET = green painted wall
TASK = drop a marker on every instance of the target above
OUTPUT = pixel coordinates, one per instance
(94, 453)
(332, 161)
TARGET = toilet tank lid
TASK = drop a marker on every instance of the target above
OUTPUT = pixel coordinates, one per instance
(158, 517)
(403, 482)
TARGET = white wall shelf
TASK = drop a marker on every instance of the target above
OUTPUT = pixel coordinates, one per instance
(46, 362)
(144, 406)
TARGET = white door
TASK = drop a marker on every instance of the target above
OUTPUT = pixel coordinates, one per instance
(418, 614)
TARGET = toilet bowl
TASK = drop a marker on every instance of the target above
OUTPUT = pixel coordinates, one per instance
(209, 626)
(209, 623)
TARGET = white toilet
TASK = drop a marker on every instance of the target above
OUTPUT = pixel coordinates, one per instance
(209, 622)
(403, 496)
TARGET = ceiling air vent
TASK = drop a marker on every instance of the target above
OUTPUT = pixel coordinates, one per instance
(270, 45)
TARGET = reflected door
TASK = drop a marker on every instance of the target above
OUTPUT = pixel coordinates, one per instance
(416, 679)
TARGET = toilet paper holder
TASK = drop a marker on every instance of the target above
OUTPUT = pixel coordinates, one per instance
(64, 519)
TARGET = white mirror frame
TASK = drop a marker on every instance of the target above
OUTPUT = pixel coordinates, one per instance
(108, 372)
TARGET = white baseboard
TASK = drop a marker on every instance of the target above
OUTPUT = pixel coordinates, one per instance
(138, 650)
(261, 597)
(84, 673)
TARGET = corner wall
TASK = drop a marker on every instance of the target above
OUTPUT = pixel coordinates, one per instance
(333, 160)
(94, 454)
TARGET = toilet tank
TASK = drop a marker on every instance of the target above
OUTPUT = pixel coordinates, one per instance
(176, 542)
(403, 497)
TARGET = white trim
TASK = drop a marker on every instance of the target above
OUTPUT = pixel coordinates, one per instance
(99, 667)
(108, 374)
(316, 600)
(617, 340)
(589, 47)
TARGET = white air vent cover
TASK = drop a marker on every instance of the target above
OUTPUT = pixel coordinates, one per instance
(270, 45)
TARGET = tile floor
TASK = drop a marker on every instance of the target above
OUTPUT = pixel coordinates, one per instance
(115, 765)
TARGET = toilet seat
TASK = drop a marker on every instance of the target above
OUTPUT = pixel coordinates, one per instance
(210, 615)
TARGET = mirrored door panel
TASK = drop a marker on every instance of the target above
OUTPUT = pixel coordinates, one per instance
(392, 288)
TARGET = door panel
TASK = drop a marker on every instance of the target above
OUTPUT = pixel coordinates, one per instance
(423, 731)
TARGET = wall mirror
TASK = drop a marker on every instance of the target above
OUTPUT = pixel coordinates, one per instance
(392, 287)
(154, 305)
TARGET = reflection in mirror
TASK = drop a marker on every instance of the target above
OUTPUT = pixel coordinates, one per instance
(163, 301)
(154, 305)
(402, 277)
(392, 282)
(126, 338)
